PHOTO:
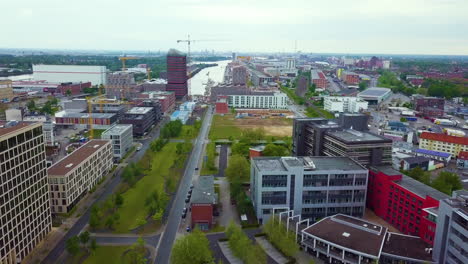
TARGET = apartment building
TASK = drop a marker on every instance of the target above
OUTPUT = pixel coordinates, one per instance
(121, 136)
(443, 143)
(263, 100)
(313, 187)
(350, 78)
(25, 217)
(121, 85)
(239, 75)
(142, 118)
(344, 104)
(71, 178)
(429, 106)
(319, 79)
(6, 91)
(451, 242)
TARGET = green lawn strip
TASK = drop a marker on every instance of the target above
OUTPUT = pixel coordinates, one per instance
(96, 133)
(133, 207)
(223, 127)
(209, 167)
(107, 254)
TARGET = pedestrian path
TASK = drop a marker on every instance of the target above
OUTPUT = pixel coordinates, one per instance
(271, 250)
(228, 253)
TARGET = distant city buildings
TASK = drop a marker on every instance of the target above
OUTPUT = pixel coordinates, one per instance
(444, 143)
(429, 106)
(290, 63)
(239, 75)
(6, 91)
(25, 217)
(142, 119)
(70, 73)
(121, 85)
(350, 78)
(73, 176)
(342, 104)
(177, 73)
(319, 79)
(121, 136)
(313, 187)
(375, 95)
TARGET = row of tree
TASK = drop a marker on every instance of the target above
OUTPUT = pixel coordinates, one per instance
(106, 214)
(242, 247)
(446, 182)
(50, 107)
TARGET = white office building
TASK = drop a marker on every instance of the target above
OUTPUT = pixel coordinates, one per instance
(122, 139)
(344, 104)
(313, 187)
(290, 63)
(261, 100)
(70, 73)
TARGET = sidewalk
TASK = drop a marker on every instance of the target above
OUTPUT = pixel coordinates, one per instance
(271, 250)
(229, 213)
(228, 253)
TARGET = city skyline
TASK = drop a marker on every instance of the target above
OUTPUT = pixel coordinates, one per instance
(384, 27)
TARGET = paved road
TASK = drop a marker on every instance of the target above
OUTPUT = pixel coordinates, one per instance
(167, 240)
(123, 240)
(297, 110)
(222, 164)
(333, 87)
(109, 189)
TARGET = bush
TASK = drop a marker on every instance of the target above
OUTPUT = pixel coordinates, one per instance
(283, 240)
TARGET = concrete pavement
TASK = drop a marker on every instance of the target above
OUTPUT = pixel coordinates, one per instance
(168, 237)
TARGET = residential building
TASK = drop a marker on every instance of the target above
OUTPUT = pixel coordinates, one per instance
(259, 78)
(203, 203)
(318, 78)
(452, 230)
(167, 99)
(6, 91)
(350, 78)
(25, 217)
(290, 63)
(177, 73)
(413, 162)
(153, 85)
(407, 204)
(429, 106)
(142, 119)
(344, 104)
(122, 85)
(122, 139)
(346, 239)
(109, 106)
(263, 100)
(70, 73)
(462, 161)
(375, 95)
(434, 155)
(81, 120)
(444, 143)
(366, 148)
(239, 75)
(313, 187)
(74, 176)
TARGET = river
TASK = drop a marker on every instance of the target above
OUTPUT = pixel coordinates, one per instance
(22, 77)
(216, 73)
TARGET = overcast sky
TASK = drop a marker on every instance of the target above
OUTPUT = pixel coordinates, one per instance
(336, 26)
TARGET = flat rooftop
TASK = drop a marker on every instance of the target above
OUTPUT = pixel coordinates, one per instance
(139, 110)
(420, 188)
(71, 161)
(374, 92)
(66, 114)
(354, 136)
(204, 192)
(7, 127)
(350, 232)
(309, 163)
(117, 129)
(406, 246)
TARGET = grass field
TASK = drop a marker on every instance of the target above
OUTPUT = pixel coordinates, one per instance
(108, 254)
(96, 133)
(209, 167)
(133, 207)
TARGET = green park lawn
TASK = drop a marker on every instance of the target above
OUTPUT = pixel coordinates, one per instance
(223, 127)
(133, 208)
(107, 254)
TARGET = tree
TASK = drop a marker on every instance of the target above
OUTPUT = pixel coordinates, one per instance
(192, 248)
(31, 105)
(84, 237)
(275, 151)
(73, 245)
(238, 169)
(93, 245)
(280, 237)
(110, 222)
(447, 182)
(137, 252)
(420, 175)
(94, 219)
(68, 92)
(256, 255)
(119, 200)
(362, 86)
(403, 119)
(240, 149)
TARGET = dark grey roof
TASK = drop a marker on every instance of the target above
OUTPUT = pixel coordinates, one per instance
(204, 192)
(420, 188)
(350, 135)
(406, 246)
(319, 163)
(417, 159)
(374, 92)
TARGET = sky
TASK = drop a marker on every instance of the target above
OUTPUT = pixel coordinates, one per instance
(337, 26)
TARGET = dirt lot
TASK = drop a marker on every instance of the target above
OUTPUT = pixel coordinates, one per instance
(272, 126)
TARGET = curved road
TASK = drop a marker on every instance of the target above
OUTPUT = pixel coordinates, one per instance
(168, 236)
(109, 189)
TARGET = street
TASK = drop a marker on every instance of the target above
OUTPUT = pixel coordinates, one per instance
(164, 248)
(109, 189)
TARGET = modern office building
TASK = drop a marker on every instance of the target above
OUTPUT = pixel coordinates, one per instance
(366, 148)
(6, 91)
(444, 143)
(167, 99)
(177, 73)
(407, 204)
(262, 100)
(122, 139)
(70, 73)
(451, 242)
(142, 119)
(239, 75)
(349, 240)
(318, 78)
(344, 104)
(25, 217)
(81, 120)
(122, 85)
(375, 95)
(71, 178)
(313, 187)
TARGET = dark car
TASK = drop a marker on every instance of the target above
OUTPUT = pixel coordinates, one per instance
(184, 215)
(190, 191)
(184, 210)
(196, 168)
(187, 199)
(191, 186)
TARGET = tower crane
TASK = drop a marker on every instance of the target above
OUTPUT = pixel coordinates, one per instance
(124, 59)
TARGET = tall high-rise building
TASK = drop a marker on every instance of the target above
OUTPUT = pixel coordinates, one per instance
(25, 216)
(177, 73)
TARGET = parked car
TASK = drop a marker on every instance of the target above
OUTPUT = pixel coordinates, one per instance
(184, 215)
(191, 186)
(187, 199)
(190, 191)
(184, 210)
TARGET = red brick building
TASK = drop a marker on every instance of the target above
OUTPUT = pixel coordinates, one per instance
(319, 79)
(407, 204)
(75, 88)
(350, 78)
(177, 73)
(256, 151)
(429, 106)
(203, 203)
(222, 105)
(166, 99)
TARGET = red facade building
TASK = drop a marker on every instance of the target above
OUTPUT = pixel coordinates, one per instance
(319, 79)
(74, 88)
(222, 105)
(204, 203)
(407, 204)
(177, 73)
(350, 78)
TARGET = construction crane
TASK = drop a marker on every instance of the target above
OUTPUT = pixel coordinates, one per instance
(148, 72)
(90, 118)
(124, 59)
(188, 41)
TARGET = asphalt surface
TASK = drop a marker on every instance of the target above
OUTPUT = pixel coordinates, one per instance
(223, 153)
(109, 189)
(168, 236)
